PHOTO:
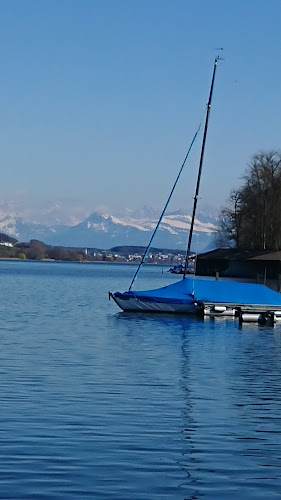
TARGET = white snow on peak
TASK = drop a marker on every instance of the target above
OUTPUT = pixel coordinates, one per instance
(129, 223)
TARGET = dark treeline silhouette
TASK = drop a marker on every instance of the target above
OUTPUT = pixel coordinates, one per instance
(252, 217)
(36, 250)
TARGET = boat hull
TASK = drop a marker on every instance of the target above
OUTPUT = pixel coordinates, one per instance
(141, 304)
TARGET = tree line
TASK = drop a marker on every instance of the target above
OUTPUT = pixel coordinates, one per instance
(251, 219)
(36, 250)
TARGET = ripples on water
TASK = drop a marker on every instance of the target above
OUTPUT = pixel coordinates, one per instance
(100, 404)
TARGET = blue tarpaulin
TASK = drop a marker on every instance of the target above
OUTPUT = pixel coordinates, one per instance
(192, 289)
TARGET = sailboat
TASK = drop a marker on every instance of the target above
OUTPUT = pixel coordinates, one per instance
(194, 295)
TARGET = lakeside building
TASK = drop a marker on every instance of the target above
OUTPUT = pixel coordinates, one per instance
(249, 264)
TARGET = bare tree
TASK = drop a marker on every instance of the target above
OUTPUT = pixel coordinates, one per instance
(252, 217)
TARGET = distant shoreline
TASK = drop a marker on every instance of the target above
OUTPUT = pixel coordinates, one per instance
(15, 259)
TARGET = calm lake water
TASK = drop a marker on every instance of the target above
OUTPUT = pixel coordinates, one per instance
(99, 404)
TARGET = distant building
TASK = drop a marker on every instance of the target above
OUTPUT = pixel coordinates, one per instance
(6, 244)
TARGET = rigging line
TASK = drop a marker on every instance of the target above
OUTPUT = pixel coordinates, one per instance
(163, 212)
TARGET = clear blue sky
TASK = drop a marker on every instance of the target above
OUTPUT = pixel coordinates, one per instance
(100, 98)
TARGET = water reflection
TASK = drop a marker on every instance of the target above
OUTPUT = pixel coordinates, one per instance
(99, 404)
(180, 329)
(190, 459)
(257, 397)
(230, 381)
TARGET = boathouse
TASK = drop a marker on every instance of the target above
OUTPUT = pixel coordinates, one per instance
(234, 263)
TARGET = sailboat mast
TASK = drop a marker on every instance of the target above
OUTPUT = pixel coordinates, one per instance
(200, 169)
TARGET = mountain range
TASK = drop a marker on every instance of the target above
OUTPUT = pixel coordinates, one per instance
(104, 231)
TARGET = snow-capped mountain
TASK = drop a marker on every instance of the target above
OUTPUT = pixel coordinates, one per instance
(24, 230)
(105, 231)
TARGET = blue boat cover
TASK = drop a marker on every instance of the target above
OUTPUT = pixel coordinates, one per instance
(196, 289)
